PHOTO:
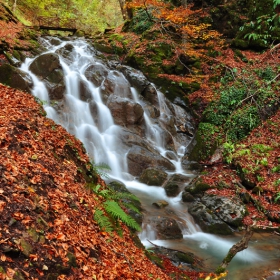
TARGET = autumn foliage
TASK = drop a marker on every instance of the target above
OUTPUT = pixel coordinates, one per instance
(47, 227)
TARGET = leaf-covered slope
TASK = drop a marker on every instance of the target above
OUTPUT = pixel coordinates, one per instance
(47, 229)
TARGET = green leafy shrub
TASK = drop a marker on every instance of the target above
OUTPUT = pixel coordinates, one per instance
(241, 122)
(141, 21)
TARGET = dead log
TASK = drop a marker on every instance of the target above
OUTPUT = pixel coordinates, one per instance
(239, 246)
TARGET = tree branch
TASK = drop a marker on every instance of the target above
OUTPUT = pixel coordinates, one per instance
(239, 246)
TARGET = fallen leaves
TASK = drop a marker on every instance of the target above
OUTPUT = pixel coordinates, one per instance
(44, 203)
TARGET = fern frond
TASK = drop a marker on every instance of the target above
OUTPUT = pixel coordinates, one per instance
(131, 207)
(113, 208)
(103, 221)
(125, 195)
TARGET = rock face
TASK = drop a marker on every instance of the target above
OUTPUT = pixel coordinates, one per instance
(15, 78)
(96, 74)
(166, 228)
(139, 159)
(125, 112)
(207, 220)
(135, 77)
(229, 210)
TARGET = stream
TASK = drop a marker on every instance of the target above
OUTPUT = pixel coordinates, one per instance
(85, 110)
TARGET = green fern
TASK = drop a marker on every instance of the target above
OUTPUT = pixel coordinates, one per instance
(113, 208)
(103, 221)
(131, 207)
(124, 195)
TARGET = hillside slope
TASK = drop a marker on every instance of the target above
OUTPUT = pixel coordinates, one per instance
(47, 229)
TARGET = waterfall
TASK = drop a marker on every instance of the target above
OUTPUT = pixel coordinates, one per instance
(90, 119)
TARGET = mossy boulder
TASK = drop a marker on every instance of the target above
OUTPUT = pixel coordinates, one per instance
(153, 177)
(198, 187)
(206, 142)
(15, 78)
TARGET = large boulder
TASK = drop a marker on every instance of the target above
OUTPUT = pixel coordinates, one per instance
(166, 228)
(96, 73)
(207, 220)
(125, 112)
(15, 78)
(153, 177)
(229, 210)
(135, 77)
(48, 68)
(139, 159)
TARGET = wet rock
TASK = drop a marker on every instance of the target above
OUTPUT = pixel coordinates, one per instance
(150, 94)
(48, 68)
(115, 83)
(65, 51)
(15, 78)
(84, 91)
(191, 165)
(56, 91)
(229, 210)
(139, 159)
(166, 228)
(172, 189)
(153, 112)
(55, 41)
(169, 123)
(160, 204)
(207, 220)
(96, 73)
(125, 112)
(178, 257)
(153, 177)
(135, 77)
(45, 65)
(187, 197)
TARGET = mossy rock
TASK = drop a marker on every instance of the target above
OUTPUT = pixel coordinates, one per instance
(15, 78)
(79, 33)
(26, 247)
(171, 189)
(103, 47)
(71, 259)
(185, 257)
(153, 177)
(206, 144)
(199, 187)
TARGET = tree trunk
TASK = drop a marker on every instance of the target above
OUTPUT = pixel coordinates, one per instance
(14, 6)
(126, 12)
(239, 246)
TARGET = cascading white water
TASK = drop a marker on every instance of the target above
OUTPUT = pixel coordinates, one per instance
(100, 134)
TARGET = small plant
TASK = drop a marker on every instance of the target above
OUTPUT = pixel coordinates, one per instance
(109, 213)
(101, 169)
(277, 197)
